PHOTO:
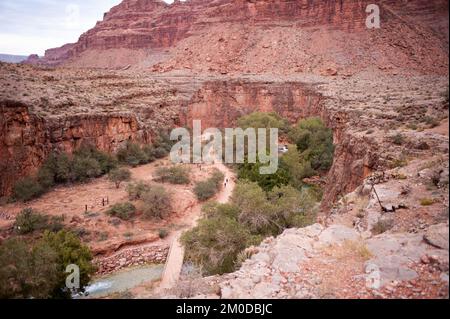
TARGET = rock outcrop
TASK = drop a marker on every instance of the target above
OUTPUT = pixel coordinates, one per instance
(333, 262)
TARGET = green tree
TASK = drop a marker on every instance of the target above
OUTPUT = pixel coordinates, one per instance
(119, 175)
(27, 272)
(132, 154)
(215, 243)
(255, 210)
(315, 142)
(291, 207)
(298, 168)
(251, 172)
(69, 250)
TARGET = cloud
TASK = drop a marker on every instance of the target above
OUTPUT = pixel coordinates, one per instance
(32, 26)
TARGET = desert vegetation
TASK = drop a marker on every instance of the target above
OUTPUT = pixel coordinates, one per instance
(205, 190)
(88, 162)
(252, 215)
(59, 168)
(174, 175)
(35, 268)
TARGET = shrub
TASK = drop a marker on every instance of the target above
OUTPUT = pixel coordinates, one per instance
(124, 211)
(291, 207)
(215, 244)
(205, 190)
(132, 154)
(297, 167)
(398, 139)
(163, 233)
(27, 189)
(174, 175)
(29, 220)
(85, 168)
(214, 209)
(45, 178)
(119, 175)
(426, 201)
(157, 203)
(105, 161)
(381, 226)
(137, 190)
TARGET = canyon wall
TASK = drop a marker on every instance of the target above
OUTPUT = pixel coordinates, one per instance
(220, 103)
(135, 32)
(26, 139)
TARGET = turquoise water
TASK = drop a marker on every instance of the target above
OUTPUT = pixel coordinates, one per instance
(123, 280)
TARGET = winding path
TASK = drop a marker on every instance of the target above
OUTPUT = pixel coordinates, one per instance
(175, 258)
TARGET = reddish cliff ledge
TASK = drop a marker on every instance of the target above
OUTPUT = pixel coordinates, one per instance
(26, 139)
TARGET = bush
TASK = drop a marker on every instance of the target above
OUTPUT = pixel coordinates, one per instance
(173, 175)
(215, 243)
(426, 201)
(29, 220)
(214, 209)
(124, 211)
(137, 190)
(163, 233)
(119, 175)
(398, 139)
(105, 161)
(381, 226)
(85, 168)
(27, 189)
(255, 210)
(298, 168)
(157, 203)
(205, 190)
(132, 154)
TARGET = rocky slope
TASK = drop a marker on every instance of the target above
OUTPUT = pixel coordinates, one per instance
(276, 36)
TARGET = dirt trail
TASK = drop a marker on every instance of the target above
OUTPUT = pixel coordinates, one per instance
(174, 262)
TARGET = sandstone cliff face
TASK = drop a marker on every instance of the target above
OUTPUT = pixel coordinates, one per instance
(278, 36)
(221, 103)
(27, 139)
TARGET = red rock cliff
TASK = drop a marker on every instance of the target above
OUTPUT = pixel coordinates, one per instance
(27, 139)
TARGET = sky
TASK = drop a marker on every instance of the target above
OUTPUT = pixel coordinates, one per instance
(32, 26)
